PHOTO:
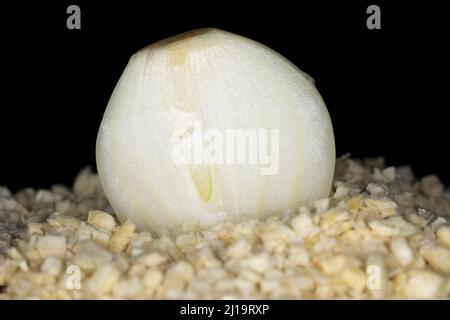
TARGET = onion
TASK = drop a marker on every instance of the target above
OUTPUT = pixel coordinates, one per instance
(208, 126)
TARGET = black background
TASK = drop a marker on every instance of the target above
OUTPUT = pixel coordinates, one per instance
(170, 309)
(386, 90)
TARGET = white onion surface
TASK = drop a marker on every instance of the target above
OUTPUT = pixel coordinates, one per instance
(220, 81)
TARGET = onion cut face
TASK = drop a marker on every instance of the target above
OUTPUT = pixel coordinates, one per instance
(207, 126)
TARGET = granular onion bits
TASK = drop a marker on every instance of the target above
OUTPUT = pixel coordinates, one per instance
(380, 234)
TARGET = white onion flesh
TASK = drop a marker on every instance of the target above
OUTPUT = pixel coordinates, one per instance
(220, 81)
